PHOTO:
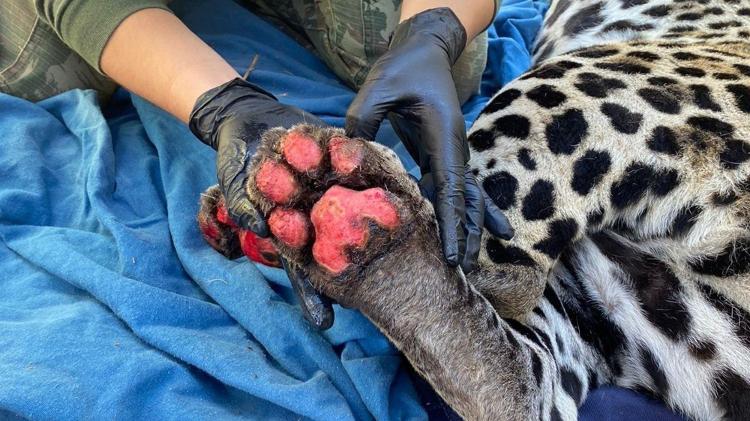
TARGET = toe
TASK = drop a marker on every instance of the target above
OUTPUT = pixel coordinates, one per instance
(301, 151)
(276, 182)
(290, 226)
(259, 249)
(215, 225)
(346, 155)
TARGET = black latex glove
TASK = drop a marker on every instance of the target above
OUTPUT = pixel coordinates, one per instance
(231, 119)
(480, 211)
(412, 85)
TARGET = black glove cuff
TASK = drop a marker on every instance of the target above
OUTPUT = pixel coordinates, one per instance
(212, 105)
(440, 24)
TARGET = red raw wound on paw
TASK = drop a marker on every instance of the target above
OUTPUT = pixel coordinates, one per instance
(276, 182)
(219, 235)
(346, 154)
(210, 224)
(222, 215)
(289, 226)
(340, 219)
(258, 249)
(301, 151)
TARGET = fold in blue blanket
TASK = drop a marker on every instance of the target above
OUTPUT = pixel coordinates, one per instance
(111, 304)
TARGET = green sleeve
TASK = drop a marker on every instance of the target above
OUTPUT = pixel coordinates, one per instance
(86, 25)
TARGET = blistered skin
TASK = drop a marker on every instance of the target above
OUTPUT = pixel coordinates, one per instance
(290, 226)
(301, 152)
(341, 220)
(276, 182)
(346, 155)
(226, 237)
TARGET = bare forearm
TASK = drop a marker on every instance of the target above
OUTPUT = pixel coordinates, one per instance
(153, 54)
(475, 15)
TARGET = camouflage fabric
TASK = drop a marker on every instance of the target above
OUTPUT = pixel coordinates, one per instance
(36, 61)
(351, 35)
(51, 46)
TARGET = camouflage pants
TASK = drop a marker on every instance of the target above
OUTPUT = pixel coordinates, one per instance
(349, 35)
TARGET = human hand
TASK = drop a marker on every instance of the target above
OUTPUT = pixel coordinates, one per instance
(412, 85)
(231, 119)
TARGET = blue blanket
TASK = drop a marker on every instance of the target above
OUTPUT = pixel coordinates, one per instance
(111, 304)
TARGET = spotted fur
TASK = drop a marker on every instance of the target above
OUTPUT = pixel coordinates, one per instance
(633, 221)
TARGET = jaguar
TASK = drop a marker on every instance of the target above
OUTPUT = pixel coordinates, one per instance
(620, 159)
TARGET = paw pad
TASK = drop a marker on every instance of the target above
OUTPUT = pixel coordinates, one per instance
(222, 215)
(289, 226)
(346, 155)
(341, 219)
(301, 151)
(276, 182)
(220, 231)
(260, 250)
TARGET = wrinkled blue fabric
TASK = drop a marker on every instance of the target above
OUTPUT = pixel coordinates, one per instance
(111, 304)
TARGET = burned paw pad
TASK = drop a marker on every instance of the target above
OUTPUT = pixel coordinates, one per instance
(301, 151)
(290, 226)
(259, 250)
(216, 226)
(346, 155)
(227, 238)
(343, 219)
(276, 182)
(317, 189)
